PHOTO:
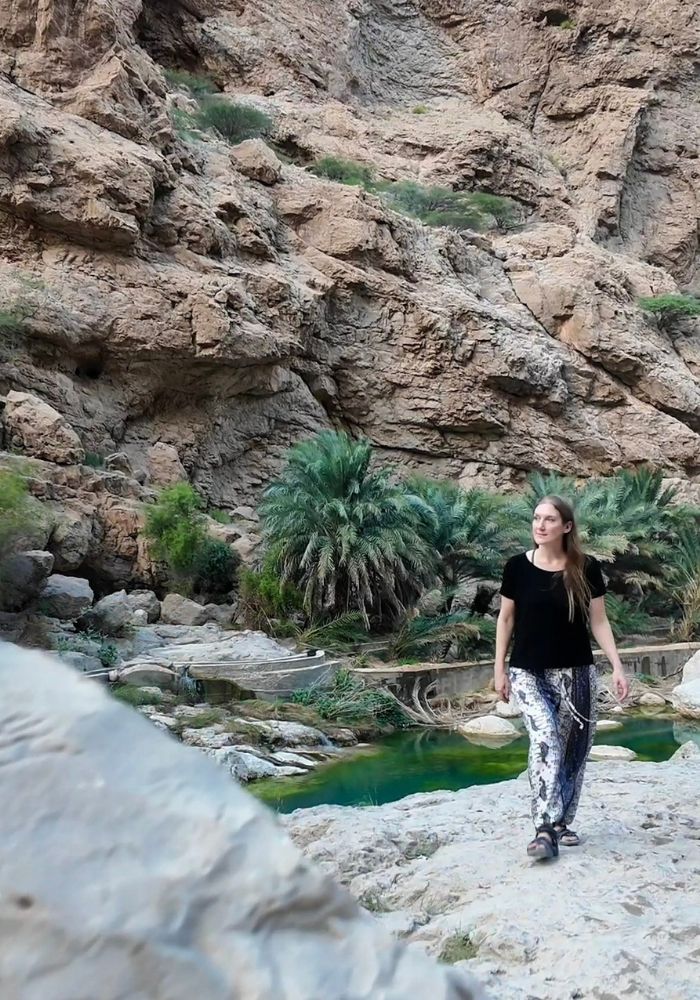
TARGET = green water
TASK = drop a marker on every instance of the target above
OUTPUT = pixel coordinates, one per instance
(428, 760)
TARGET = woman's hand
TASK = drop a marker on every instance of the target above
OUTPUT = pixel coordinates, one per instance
(502, 684)
(620, 683)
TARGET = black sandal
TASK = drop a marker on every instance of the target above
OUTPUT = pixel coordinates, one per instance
(545, 845)
(566, 836)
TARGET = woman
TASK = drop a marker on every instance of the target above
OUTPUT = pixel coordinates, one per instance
(549, 597)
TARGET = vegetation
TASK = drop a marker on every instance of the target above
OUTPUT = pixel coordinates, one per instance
(220, 516)
(431, 637)
(15, 510)
(134, 696)
(342, 533)
(439, 206)
(196, 84)
(405, 557)
(94, 460)
(265, 598)
(670, 307)
(92, 643)
(420, 109)
(434, 205)
(176, 528)
(235, 122)
(351, 702)
(343, 171)
(457, 948)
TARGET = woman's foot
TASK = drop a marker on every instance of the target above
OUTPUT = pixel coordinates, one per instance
(565, 836)
(545, 845)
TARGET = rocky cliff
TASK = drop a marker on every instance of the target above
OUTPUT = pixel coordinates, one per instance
(223, 302)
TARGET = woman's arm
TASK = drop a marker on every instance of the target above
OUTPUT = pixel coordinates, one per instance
(504, 631)
(602, 633)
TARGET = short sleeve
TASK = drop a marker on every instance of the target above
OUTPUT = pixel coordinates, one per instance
(594, 575)
(508, 581)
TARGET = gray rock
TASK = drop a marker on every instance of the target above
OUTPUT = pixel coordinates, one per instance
(80, 661)
(246, 766)
(22, 577)
(216, 902)
(111, 614)
(691, 669)
(118, 462)
(148, 675)
(688, 751)
(145, 600)
(686, 698)
(179, 610)
(65, 597)
(651, 699)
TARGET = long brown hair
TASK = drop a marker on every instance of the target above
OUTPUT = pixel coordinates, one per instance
(578, 591)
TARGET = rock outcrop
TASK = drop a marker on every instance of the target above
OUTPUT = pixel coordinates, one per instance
(215, 902)
(195, 309)
(450, 867)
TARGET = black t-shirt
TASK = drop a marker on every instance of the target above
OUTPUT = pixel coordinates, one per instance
(544, 638)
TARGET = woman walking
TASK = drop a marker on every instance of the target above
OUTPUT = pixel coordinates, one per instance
(549, 597)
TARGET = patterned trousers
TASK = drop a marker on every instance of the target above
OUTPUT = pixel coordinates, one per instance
(558, 709)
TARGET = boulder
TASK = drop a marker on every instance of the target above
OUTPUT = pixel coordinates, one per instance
(688, 751)
(691, 669)
(38, 430)
(507, 709)
(119, 462)
(216, 902)
(179, 610)
(65, 597)
(604, 752)
(22, 576)
(145, 600)
(247, 766)
(147, 675)
(651, 699)
(164, 465)
(70, 539)
(489, 725)
(110, 615)
(256, 161)
(685, 698)
(607, 725)
(80, 661)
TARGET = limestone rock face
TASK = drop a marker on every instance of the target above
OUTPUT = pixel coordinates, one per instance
(103, 779)
(40, 431)
(196, 308)
(685, 698)
(22, 577)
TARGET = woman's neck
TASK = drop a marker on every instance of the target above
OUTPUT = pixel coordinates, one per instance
(550, 554)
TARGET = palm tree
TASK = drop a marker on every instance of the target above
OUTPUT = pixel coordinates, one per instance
(343, 533)
(683, 581)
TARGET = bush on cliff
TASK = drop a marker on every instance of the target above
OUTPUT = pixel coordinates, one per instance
(176, 527)
(235, 122)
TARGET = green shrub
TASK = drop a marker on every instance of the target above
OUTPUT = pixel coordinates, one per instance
(567, 24)
(197, 84)
(457, 948)
(184, 123)
(15, 509)
(426, 637)
(670, 307)
(175, 526)
(85, 642)
(420, 109)
(350, 701)
(94, 460)
(134, 696)
(221, 516)
(207, 717)
(215, 566)
(438, 206)
(626, 618)
(343, 171)
(235, 122)
(265, 597)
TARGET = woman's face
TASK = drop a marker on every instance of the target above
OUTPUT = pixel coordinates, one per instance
(547, 524)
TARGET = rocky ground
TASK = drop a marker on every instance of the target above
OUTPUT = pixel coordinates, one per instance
(617, 918)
